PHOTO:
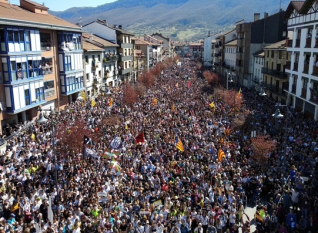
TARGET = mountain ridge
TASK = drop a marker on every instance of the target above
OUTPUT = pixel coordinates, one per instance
(177, 19)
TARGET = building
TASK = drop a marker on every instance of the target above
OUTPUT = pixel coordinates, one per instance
(302, 46)
(274, 76)
(229, 62)
(41, 61)
(196, 49)
(100, 64)
(209, 50)
(167, 48)
(148, 52)
(259, 62)
(179, 48)
(116, 35)
(253, 37)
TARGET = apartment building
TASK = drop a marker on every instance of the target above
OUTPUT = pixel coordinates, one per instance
(229, 63)
(302, 70)
(259, 61)
(100, 64)
(41, 61)
(274, 76)
(167, 48)
(155, 51)
(122, 38)
(253, 37)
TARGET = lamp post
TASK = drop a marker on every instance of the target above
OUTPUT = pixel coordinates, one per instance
(278, 115)
(227, 80)
(43, 119)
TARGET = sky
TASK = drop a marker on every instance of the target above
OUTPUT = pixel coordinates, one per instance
(61, 5)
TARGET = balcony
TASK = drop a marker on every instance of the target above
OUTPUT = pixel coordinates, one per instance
(125, 58)
(297, 43)
(303, 93)
(315, 71)
(295, 66)
(293, 89)
(125, 45)
(290, 43)
(49, 93)
(306, 69)
(275, 73)
(125, 71)
(308, 43)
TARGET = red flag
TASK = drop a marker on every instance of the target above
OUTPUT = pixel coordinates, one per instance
(189, 84)
(140, 139)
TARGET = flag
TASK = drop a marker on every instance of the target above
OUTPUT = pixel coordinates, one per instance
(33, 137)
(227, 131)
(177, 84)
(140, 139)
(116, 143)
(154, 101)
(109, 154)
(93, 103)
(115, 165)
(88, 141)
(110, 102)
(169, 88)
(90, 153)
(212, 105)
(239, 94)
(189, 84)
(83, 95)
(126, 126)
(179, 144)
(221, 155)
(173, 108)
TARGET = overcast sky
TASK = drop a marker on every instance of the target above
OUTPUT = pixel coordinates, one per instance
(61, 5)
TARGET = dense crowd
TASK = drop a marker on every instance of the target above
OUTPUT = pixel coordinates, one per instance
(159, 188)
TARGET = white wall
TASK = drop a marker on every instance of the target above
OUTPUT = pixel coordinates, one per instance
(230, 55)
(101, 31)
(207, 53)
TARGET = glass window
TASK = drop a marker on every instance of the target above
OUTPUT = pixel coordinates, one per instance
(21, 36)
(27, 96)
(5, 71)
(13, 70)
(27, 41)
(16, 36)
(10, 35)
(2, 41)
(45, 39)
(67, 63)
(46, 66)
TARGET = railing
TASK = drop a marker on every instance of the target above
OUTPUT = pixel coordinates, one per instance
(276, 73)
(290, 43)
(308, 43)
(295, 66)
(49, 92)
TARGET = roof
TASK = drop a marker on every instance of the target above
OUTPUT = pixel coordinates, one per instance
(231, 43)
(306, 6)
(259, 53)
(16, 15)
(98, 41)
(141, 41)
(293, 5)
(37, 5)
(89, 47)
(159, 34)
(278, 45)
(104, 23)
(225, 33)
(195, 43)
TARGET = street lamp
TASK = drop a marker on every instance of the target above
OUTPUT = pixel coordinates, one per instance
(277, 114)
(43, 119)
(262, 93)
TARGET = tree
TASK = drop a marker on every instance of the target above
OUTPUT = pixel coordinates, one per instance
(211, 78)
(70, 137)
(155, 71)
(261, 146)
(147, 79)
(140, 89)
(130, 95)
(233, 99)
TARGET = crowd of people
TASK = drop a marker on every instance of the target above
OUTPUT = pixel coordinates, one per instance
(163, 185)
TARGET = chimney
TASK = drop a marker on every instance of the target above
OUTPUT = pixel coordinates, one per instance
(265, 15)
(257, 16)
(115, 26)
(120, 26)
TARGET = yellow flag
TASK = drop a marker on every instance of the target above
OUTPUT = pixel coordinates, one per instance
(212, 105)
(110, 103)
(169, 88)
(126, 126)
(239, 94)
(33, 137)
(83, 95)
(93, 103)
(173, 108)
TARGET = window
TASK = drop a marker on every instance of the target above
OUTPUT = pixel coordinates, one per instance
(45, 39)
(34, 66)
(27, 96)
(46, 66)
(68, 63)
(98, 57)
(305, 83)
(5, 71)
(49, 89)
(10, 36)
(27, 41)
(39, 94)
(86, 59)
(13, 67)
(87, 77)
(2, 41)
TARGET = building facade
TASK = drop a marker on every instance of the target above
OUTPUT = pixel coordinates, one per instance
(167, 48)
(302, 47)
(274, 76)
(40, 61)
(259, 62)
